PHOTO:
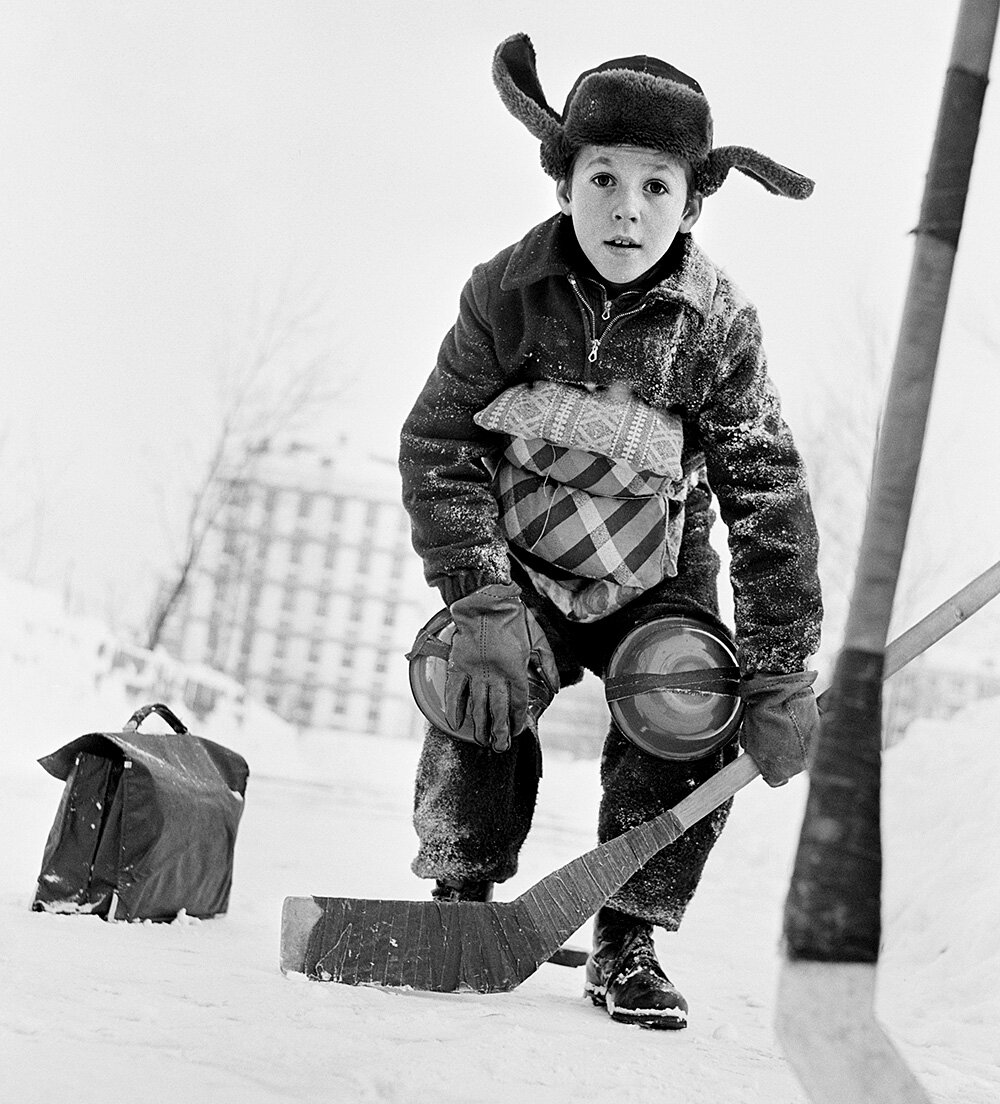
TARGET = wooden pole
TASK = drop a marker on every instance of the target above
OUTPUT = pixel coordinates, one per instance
(832, 926)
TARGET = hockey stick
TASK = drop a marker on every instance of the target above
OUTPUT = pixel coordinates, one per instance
(493, 947)
(825, 1010)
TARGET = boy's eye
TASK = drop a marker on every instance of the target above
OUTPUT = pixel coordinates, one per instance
(603, 180)
(657, 187)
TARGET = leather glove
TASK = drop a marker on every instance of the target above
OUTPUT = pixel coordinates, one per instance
(487, 676)
(780, 723)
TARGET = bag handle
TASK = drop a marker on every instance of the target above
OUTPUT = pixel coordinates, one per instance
(156, 707)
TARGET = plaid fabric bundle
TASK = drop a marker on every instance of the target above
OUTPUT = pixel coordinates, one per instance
(590, 482)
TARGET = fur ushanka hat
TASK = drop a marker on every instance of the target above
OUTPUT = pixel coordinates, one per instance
(636, 101)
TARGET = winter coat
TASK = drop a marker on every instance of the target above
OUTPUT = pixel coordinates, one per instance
(690, 347)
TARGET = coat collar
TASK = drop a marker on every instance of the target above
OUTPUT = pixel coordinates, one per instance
(540, 254)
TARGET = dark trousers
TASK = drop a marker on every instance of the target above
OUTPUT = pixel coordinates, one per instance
(473, 807)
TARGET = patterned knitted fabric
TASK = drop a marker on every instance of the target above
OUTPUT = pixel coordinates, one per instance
(612, 422)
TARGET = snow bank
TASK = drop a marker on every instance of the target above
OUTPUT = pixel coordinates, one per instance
(199, 1011)
(941, 895)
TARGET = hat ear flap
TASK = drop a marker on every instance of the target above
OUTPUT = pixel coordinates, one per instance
(778, 179)
(516, 78)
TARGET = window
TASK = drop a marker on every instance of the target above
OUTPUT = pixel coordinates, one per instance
(305, 504)
(371, 515)
(322, 603)
(280, 647)
(382, 662)
(315, 650)
(364, 558)
(288, 599)
(357, 606)
(239, 492)
(336, 508)
(389, 617)
(347, 656)
(330, 558)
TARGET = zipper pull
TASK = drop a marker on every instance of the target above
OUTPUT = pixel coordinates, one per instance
(606, 313)
(594, 346)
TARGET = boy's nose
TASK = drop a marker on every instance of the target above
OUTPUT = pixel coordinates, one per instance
(626, 209)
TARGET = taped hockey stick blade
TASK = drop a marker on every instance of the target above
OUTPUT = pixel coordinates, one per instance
(430, 945)
(483, 947)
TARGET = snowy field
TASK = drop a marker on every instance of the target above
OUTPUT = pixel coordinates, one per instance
(198, 1011)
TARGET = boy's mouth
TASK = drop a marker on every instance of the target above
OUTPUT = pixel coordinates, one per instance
(622, 243)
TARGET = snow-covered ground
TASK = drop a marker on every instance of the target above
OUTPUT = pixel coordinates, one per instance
(198, 1011)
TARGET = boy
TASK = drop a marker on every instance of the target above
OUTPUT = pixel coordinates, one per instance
(605, 342)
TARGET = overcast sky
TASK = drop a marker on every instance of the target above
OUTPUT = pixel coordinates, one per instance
(164, 166)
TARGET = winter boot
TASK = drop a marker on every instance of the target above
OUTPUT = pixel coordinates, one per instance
(624, 976)
(462, 889)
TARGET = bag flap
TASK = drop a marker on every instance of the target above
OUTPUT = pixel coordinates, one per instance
(60, 763)
(193, 760)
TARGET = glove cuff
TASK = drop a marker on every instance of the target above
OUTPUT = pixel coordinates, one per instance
(494, 595)
(766, 682)
(463, 583)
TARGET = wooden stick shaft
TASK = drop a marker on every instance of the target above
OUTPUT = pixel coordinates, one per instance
(720, 787)
(939, 622)
(902, 436)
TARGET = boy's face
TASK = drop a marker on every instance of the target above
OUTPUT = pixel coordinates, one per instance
(627, 204)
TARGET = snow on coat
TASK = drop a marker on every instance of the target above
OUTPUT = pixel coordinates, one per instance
(693, 349)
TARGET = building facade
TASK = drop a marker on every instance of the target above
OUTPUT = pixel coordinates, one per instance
(308, 592)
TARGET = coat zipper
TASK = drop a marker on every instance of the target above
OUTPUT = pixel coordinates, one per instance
(589, 323)
(590, 318)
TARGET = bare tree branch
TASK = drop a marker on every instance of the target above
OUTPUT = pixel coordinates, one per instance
(271, 384)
